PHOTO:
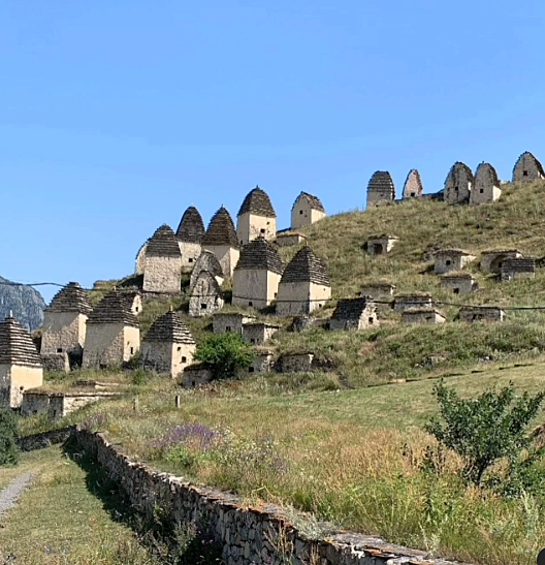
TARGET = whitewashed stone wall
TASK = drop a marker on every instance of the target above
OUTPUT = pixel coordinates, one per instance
(63, 332)
(301, 298)
(290, 239)
(455, 261)
(166, 357)
(258, 333)
(163, 274)
(247, 535)
(15, 379)
(227, 257)
(253, 288)
(303, 215)
(110, 345)
(250, 227)
(58, 405)
(190, 253)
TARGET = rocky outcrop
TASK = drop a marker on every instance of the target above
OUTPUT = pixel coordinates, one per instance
(26, 303)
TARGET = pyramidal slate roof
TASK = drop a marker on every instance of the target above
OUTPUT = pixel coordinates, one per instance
(457, 168)
(381, 180)
(534, 159)
(257, 202)
(350, 308)
(260, 254)
(306, 267)
(163, 243)
(191, 228)
(488, 173)
(114, 308)
(16, 345)
(171, 328)
(314, 201)
(71, 298)
(221, 230)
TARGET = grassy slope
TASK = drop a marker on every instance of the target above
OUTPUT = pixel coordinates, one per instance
(59, 521)
(352, 457)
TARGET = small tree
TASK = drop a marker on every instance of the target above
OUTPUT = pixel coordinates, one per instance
(485, 429)
(9, 453)
(224, 353)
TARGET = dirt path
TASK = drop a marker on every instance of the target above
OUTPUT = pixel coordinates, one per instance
(9, 496)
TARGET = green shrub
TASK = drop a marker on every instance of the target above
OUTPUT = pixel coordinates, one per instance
(224, 354)
(484, 430)
(9, 453)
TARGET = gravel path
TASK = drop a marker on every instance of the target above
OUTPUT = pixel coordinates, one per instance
(9, 496)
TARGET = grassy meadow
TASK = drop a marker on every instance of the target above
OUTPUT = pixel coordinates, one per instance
(353, 457)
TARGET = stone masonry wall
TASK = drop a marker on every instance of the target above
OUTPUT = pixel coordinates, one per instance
(246, 534)
(163, 274)
(64, 331)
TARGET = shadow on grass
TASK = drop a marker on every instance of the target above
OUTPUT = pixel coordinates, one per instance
(183, 545)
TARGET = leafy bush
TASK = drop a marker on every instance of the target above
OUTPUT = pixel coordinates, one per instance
(9, 454)
(224, 354)
(484, 430)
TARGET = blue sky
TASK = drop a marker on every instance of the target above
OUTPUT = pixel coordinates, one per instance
(115, 116)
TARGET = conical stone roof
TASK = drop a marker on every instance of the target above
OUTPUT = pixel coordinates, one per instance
(457, 169)
(533, 158)
(487, 174)
(16, 345)
(314, 201)
(261, 255)
(257, 202)
(380, 181)
(71, 298)
(163, 243)
(170, 328)
(114, 308)
(413, 185)
(221, 230)
(191, 228)
(306, 267)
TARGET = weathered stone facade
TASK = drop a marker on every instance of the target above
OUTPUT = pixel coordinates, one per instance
(226, 322)
(221, 239)
(517, 268)
(413, 300)
(290, 239)
(20, 364)
(257, 275)
(56, 362)
(447, 260)
(256, 217)
(459, 283)
(246, 535)
(354, 314)
(262, 363)
(207, 261)
(413, 186)
(258, 333)
(381, 189)
(458, 184)
(487, 185)
(206, 296)
(481, 313)
(190, 234)
(65, 319)
(59, 404)
(196, 375)
(380, 244)
(492, 261)
(306, 210)
(113, 335)
(527, 169)
(378, 290)
(422, 316)
(168, 346)
(297, 362)
(163, 263)
(304, 286)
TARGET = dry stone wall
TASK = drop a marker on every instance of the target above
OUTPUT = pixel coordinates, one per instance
(247, 535)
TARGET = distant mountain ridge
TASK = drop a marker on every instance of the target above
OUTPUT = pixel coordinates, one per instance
(26, 303)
